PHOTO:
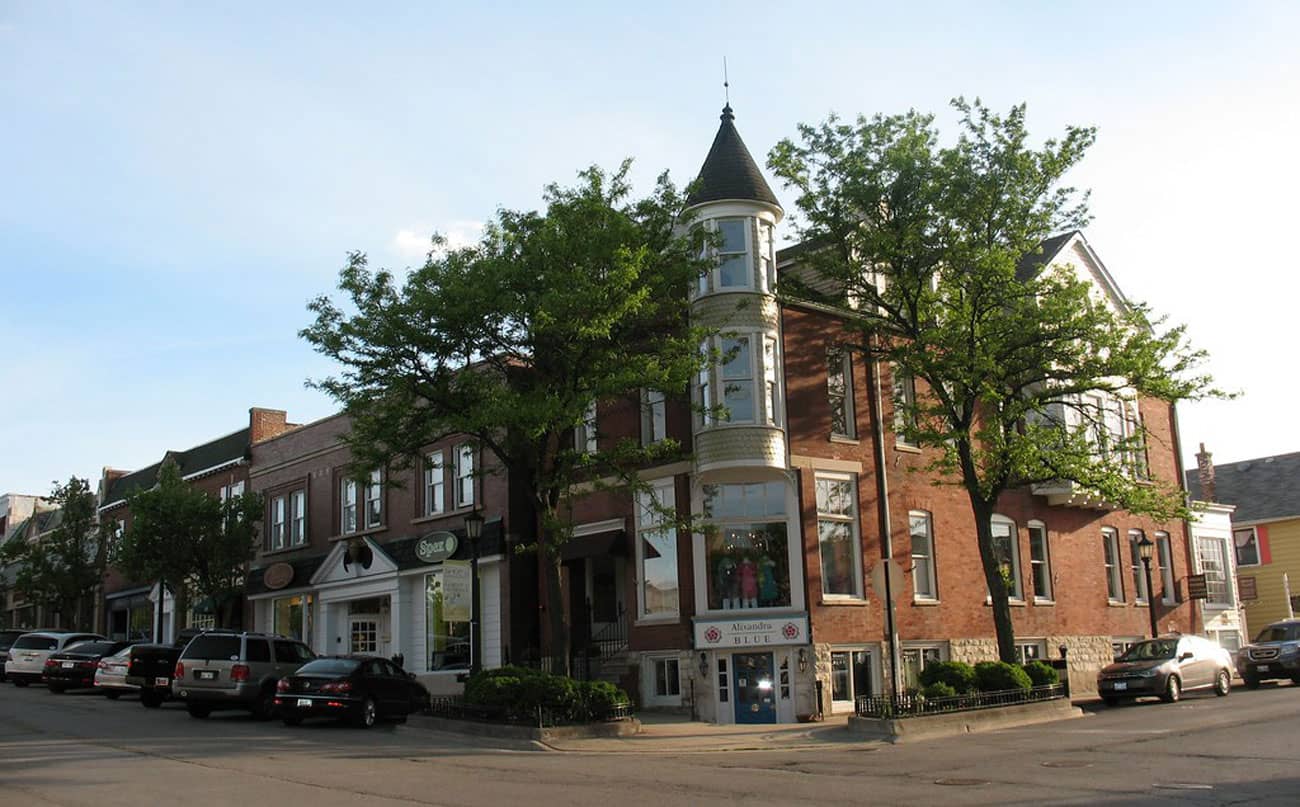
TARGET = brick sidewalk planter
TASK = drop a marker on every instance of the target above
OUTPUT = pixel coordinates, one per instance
(911, 717)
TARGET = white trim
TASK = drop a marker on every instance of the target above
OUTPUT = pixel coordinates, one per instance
(597, 527)
(214, 468)
(825, 464)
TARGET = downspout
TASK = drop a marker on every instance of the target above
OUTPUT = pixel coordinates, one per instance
(882, 511)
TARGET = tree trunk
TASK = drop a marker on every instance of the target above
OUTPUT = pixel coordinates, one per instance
(558, 630)
(1001, 599)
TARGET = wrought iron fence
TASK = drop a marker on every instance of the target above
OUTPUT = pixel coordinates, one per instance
(914, 704)
(539, 716)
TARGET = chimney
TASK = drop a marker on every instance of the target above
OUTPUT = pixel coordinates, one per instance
(263, 424)
(1205, 473)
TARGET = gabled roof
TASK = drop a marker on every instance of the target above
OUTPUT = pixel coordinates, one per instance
(729, 172)
(209, 456)
(1031, 262)
(1263, 489)
(48, 520)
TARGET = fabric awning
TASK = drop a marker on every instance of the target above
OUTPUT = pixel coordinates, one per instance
(589, 546)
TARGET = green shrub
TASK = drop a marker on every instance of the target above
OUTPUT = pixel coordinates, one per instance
(957, 675)
(938, 690)
(995, 676)
(518, 692)
(599, 698)
(1041, 674)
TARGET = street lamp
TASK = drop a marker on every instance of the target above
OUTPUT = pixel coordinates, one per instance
(473, 532)
(1145, 550)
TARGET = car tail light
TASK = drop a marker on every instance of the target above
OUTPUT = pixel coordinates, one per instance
(49, 662)
(282, 685)
(239, 672)
(103, 665)
(337, 686)
(179, 672)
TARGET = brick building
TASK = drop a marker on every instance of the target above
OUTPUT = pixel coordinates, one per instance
(219, 468)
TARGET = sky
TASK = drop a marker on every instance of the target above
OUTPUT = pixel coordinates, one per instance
(177, 181)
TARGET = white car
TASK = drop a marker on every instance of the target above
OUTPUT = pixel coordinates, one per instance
(26, 664)
(110, 676)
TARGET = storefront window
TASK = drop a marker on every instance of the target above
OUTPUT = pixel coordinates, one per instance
(916, 659)
(747, 550)
(291, 616)
(447, 643)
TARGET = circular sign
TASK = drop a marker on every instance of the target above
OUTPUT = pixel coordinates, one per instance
(277, 576)
(436, 546)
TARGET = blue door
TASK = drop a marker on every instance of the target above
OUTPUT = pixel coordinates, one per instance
(753, 681)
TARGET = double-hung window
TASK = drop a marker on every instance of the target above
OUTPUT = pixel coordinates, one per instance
(924, 583)
(654, 417)
(1006, 549)
(1164, 551)
(1040, 561)
(839, 391)
(706, 390)
(734, 268)
(1140, 592)
(465, 475)
(298, 517)
(915, 659)
(837, 535)
(375, 499)
(904, 406)
(584, 436)
(1114, 578)
(1213, 556)
(738, 379)
(766, 256)
(348, 518)
(1247, 544)
(278, 522)
(656, 552)
(770, 415)
(434, 490)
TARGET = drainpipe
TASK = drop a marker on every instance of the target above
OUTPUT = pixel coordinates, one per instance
(882, 510)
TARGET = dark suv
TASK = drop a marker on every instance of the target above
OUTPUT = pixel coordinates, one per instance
(1275, 653)
(228, 670)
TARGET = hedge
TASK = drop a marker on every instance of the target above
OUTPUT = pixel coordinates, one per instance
(1041, 674)
(957, 675)
(519, 691)
(995, 676)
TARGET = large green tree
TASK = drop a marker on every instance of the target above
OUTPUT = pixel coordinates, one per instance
(513, 339)
(61, 569)
(1019, 371)
(190, 541)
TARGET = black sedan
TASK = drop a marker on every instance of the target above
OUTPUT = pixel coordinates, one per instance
(74, 667)
(361, 689)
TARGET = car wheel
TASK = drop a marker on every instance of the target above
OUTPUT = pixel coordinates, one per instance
(150, 700)
(369, 714)
(198, 710)
(1110, 700)
(18, 682)
(1173, 690)
(292, 721)
(1251, 682)
(264, 706)
(57, 689)
(112, 695)
(1295, 679)
(1222, 683)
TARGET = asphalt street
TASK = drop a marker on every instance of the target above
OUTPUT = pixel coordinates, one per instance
(81, 749)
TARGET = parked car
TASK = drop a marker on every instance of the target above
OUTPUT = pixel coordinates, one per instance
(228, 670)
(1274, 654)
(1166, 668)
(7, 638)
(110, 676)
(27, 656)
(152, 665)
(74, 667)
(361, 689)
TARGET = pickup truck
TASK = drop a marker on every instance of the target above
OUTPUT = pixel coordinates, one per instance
(151, 668)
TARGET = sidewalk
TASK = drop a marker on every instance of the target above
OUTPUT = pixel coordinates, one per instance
(674, 734)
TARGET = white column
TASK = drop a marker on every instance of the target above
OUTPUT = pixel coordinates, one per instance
(397, 622)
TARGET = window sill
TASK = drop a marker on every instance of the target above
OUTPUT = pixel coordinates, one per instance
(1038, 601)
(832, 601)
(654, 621)
(1117, 604)
(845, 439)
(284, 550)
(442, 515)
(358, 533)
(907, 448)
(927, 603)
(1013, 602)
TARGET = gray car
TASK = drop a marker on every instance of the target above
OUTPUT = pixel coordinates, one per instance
(1166, 668)
(231, 670)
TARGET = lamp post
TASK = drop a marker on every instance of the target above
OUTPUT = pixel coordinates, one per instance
(1145, 550)
(473, 532)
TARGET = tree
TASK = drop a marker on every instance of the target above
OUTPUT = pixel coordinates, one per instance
(1019, 370)
(512, 340)
(190, 541)
(60, 570)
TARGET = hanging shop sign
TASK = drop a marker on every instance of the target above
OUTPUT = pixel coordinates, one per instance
(1197, 587)
(778, 630)
(277, 576)
(1246, 588)
(436, 546)
(457, 590)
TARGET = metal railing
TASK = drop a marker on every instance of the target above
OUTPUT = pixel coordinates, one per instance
(454, 707)
(914, 704)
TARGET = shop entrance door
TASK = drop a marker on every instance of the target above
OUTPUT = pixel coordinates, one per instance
(752, 681)
(363, 630)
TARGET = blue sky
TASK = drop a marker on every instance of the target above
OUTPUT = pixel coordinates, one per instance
(178, 181)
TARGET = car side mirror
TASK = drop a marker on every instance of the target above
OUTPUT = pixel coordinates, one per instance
(1185, 656)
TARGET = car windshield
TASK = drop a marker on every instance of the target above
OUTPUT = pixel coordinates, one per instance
(213, 647)
(36, 643)
(1150, 651)
(7, 639)
(122, 655)
(329, 666)
(1279, 633)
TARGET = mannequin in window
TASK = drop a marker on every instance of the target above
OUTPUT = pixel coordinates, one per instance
(767, 590)
(726, 584)
(748, 573)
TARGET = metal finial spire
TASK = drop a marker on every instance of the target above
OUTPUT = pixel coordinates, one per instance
(726, 84)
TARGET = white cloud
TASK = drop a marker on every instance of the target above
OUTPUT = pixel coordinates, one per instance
(413, 242)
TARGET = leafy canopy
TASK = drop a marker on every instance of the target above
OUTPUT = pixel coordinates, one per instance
(511, 340)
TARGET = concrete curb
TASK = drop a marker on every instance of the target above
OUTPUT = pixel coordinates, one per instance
(950, 725)
(500, 731)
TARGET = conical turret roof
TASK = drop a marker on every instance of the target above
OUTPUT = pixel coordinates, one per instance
(729, 172)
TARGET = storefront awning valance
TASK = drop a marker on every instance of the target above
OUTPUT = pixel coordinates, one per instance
(591, 546)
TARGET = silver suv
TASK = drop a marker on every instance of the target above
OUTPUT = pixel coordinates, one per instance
(230, 670)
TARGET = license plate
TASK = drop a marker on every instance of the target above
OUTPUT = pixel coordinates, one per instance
(206, 675)
(304, 703)
(161, 681)
(1263, 667)
(68, 665)
(1121, 685)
